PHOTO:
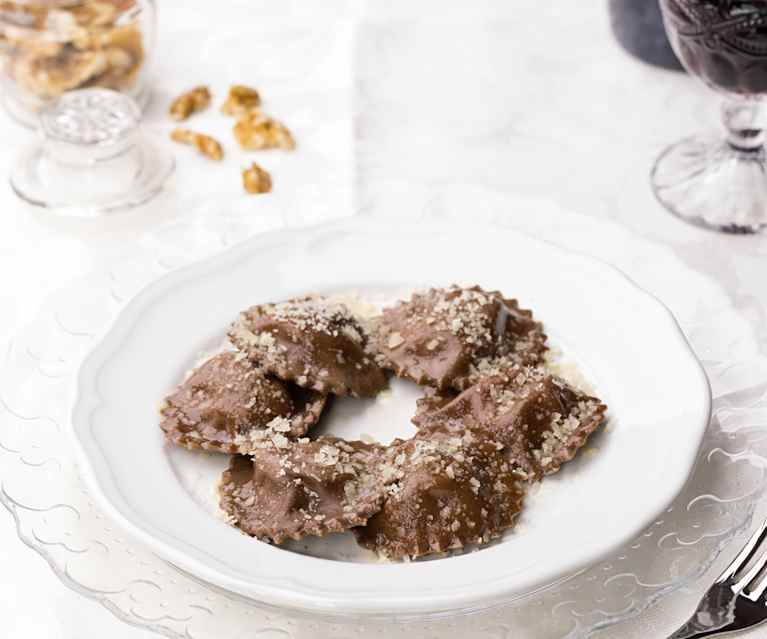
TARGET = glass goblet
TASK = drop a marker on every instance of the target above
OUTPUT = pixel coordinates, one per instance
(720, 182)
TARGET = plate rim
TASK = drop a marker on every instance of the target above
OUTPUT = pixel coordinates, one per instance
(87, 400)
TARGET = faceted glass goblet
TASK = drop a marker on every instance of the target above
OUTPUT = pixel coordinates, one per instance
(720, 182)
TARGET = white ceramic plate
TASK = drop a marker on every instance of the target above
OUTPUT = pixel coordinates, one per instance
(623, 339)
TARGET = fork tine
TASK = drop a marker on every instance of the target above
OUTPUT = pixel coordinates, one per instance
(737, 599)
(744, 558)
(749, 585)
(756, 589)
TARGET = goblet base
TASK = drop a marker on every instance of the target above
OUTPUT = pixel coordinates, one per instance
(708, 182)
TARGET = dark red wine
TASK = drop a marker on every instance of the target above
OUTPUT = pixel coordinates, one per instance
(722, 41)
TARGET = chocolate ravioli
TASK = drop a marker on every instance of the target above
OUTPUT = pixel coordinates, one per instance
(541, 420)
(443, 492)
(227, 402)
(450, 337)
(291, 490)
(313, 343)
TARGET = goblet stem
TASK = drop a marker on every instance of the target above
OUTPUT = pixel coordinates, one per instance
(719, 182)
(745, 122)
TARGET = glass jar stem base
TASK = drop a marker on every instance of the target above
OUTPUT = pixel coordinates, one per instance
(745, 121)
(93, 158)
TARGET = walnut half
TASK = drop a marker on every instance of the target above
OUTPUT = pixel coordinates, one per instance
(241, 101)
(205, 144)
(256, 131)
(190, 102)
(256, 180)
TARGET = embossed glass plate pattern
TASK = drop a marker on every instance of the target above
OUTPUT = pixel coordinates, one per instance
(56, 516)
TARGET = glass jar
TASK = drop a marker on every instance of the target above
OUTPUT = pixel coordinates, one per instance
(49, 47)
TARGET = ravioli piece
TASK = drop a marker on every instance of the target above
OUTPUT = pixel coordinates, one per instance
(289, 490)
(541, 420)
(227, 401)
(450, 337)
(442, 492)
(431, 402)
(312, 342)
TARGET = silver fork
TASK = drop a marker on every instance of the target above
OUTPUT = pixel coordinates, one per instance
(737, 600)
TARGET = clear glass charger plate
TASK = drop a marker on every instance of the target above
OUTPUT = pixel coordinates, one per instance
(56, 517)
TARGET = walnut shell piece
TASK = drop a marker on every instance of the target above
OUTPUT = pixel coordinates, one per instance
(256, 131)
(205, 144)
(49, 76)
(256, 180)
(124, 51)
(241, 100)
(290, 491)
(312, 342)
(189, 103)
(95, 13)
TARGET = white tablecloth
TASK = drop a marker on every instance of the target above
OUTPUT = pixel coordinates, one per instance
(520, 98)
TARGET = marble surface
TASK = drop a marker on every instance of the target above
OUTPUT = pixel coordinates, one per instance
(515, 97)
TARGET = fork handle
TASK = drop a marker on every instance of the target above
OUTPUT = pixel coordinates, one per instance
(716, 616)
(692, 630)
